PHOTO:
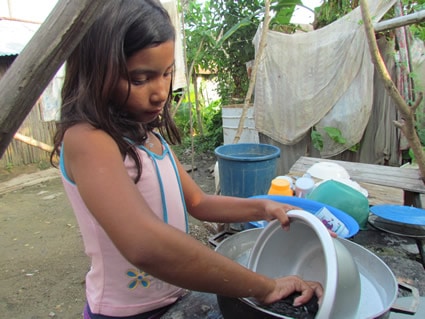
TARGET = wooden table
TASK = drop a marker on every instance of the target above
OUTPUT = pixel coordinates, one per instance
(385, 184)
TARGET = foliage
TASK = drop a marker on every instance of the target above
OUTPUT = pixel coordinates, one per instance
(332, 10)
(412, 155)
(212, 125)
(334, 134)
(219, 37)
(418, 29)
(9, 166)
(224, 31)
(317, 139)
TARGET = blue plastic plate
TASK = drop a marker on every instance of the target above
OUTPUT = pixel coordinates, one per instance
(312, 206)
(401, 214)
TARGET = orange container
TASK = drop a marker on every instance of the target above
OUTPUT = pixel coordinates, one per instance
(280, 187)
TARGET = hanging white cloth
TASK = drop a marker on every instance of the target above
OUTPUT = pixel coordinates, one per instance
(322, 78)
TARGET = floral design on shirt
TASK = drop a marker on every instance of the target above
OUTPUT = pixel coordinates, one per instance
(138, 277)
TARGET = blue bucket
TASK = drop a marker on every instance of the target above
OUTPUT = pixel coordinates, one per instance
(246, 169)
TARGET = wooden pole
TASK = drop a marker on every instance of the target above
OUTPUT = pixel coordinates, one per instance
(32, 70)
(262, 45)
(407, 124)
(412, 18)
(33, 142)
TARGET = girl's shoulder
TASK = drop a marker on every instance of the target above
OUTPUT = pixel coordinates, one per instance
(83, 137)
(84, 131)
(86, 148)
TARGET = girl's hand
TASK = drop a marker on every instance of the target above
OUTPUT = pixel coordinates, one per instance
(286, 286)
(275, 210)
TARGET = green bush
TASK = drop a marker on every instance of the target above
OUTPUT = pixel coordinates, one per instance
(211, 123)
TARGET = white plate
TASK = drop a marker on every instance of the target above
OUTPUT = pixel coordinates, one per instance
(328, 170)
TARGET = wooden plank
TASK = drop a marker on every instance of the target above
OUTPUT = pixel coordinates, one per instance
(407, 179)
(38, 62)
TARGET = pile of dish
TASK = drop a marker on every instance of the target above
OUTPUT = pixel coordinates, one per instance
(325, 171)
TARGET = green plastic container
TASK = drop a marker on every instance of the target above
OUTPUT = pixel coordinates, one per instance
(345, 198)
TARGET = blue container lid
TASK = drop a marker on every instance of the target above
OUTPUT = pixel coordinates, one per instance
(312, 206)
(401, 214)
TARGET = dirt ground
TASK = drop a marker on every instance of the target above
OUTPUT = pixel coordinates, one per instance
(42, 264)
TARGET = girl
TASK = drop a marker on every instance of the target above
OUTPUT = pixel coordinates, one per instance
(128, 191)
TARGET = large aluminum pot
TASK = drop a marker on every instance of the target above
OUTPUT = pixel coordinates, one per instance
(378, 284)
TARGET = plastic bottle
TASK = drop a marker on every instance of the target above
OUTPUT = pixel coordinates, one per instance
(304, 185)
(332, 222)
(288, 178)
(280, 186)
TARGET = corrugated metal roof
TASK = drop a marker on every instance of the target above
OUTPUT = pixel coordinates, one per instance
(14, 35)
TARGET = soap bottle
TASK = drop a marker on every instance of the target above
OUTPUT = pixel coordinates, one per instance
(280, 186)
(332, 222)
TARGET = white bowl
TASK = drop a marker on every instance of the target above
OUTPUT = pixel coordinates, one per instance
(307, 250)
(328, 170)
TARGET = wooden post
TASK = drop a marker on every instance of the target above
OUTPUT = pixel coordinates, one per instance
(262, 45)
(38, 62)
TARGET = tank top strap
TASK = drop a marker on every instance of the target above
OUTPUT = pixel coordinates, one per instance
(155, 157)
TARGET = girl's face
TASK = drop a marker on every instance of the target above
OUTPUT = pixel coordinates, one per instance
(151, 71)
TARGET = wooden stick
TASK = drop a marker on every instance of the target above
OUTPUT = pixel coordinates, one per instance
(412, 18)
(33, 142)
(32, 70)
(262, 45)
(407, 126)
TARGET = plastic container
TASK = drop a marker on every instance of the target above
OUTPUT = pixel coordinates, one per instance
(343, 197)
(288, 178)
(312, 207)
(304, 186)
(280, 186)
(307, 250)
(246, 170)
(332, 222)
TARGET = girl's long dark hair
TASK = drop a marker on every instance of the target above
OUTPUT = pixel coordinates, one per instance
(95, 66)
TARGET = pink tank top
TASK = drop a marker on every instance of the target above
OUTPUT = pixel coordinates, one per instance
(114, 287)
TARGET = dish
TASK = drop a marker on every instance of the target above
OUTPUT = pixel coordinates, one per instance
(401, 214)
(313, 255)
(312, 206)
(328, 170)
(379, 286)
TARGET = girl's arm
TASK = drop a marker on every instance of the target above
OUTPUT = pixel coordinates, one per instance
(94, 163)
(226, 209)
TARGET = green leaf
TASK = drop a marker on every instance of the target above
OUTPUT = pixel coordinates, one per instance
(317, 140)
(335, 135)
(243, 23)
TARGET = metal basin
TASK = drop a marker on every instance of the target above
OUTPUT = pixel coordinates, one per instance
(378, 283)
(307, 250)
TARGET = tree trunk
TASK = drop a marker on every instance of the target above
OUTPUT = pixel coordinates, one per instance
(407, 124)
(38, 62)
